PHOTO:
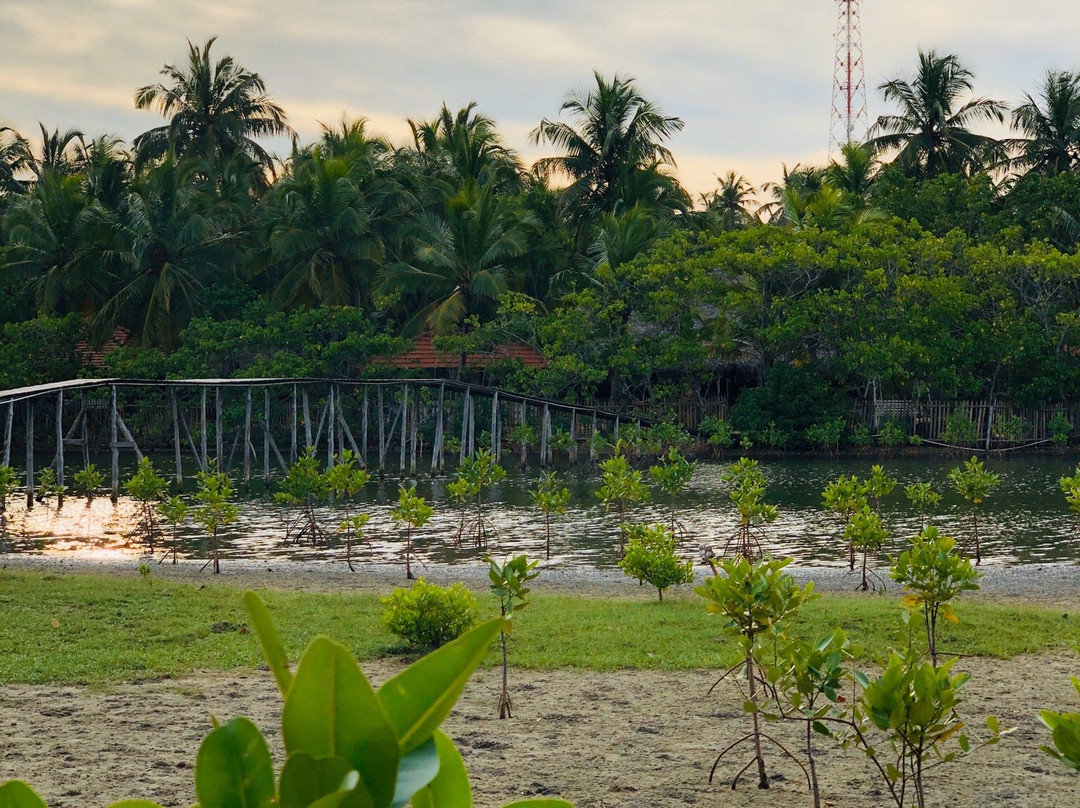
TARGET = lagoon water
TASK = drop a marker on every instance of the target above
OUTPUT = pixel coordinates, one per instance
(1025, 520)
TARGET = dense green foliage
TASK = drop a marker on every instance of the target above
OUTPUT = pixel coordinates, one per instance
(933, 261)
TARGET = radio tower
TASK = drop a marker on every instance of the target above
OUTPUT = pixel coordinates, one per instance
(850, 120)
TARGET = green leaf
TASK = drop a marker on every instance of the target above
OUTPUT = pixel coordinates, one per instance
(233, 768)
(17, 794)
(305, 780)
(418, 699)
(418, 768)
(268, 638)
(450, 788)
(332, 711)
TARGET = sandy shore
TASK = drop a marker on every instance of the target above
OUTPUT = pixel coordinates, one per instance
(1049, 584)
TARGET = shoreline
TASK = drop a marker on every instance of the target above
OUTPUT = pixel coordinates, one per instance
(1039, 584)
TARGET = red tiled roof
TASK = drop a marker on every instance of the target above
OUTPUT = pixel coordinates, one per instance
(95, 357)
(424, 355)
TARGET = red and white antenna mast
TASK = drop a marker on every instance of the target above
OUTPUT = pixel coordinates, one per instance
(850, 120)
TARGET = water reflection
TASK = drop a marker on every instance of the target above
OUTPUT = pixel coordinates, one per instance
(1024, 521)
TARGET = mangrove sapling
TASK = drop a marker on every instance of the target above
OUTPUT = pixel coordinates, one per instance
(508, 585)
(913, 705)
(933, 575)
(88, 481)
(672, 477)
(523, 436)
(651, 558)
(215, 509)
(621, 488)
(973, 482)
(865, 533)
(174, 511)
(878, 486)
(303, 487)
(8, 483)
(461, 492)
(413, 513)
(1065, 734)
(924, 499)
(845, 496)
(1070, 486)
(146, 487)
(552, 501)
(746, 487)
(48, 486)
(755, 599)
(807, 681)
(345, 479)
(480, 471)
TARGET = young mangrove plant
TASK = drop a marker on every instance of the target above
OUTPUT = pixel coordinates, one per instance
(146, 487)
(345, 479)
(933, 575)
(215, 508)
(621, 488)
(651, 558)
(412, 512)
(912, 706)
(48, 486)
(973, 482)
(746, 487)
(345, 742)
(475, 476)
(807, 680)
(303, 487)
(175, 512)
(755, 599)
(88, 482)
(508, 585)
(8, 483)
(1064, 733)
(551, 500)
(845, 496)
(672, 476)
(865, 534)
(924, 499)
(878, 486)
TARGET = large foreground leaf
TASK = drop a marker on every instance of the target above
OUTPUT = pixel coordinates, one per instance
(418, 699)
(233, 768)
(450, 788)
(266, 631)
(17, 794)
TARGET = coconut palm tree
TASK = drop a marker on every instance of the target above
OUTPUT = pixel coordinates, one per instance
(931, 134)
(728, 207)
(215, 110)
(459, 259)
(614, 134)
(1051, 124)
(465, 146)
(173, 239)
(855, 172)
(62, 153)
(14, 160)
(329, 219)
(57, 237)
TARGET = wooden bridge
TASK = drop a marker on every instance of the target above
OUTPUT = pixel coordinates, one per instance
(194, 417)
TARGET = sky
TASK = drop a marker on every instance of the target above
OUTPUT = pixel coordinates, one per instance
(751, 80)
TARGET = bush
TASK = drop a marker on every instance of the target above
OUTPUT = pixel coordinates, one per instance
(791, 400)
(892, 433)
(1060, 427)
(650, 557)
(429, 615)
(960, 430)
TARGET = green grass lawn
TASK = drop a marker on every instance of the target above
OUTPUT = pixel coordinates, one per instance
(95, 629)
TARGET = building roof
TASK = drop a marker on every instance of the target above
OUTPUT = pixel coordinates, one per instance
(92, 357)
(424, 355)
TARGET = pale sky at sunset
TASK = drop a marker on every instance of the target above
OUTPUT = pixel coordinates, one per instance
(752, 81)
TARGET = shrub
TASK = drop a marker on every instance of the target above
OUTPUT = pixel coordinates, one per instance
(717, 432)
(791, 400)
(651, 557)
(429, 615)
(1060, 427)
(892, 433)
(960, 430)
(826, 435)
